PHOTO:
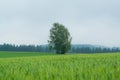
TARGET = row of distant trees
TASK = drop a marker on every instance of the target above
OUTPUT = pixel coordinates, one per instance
(27, 48)
(94, 49)
(45, 48)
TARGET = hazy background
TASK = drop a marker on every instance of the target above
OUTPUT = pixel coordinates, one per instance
(89, 21)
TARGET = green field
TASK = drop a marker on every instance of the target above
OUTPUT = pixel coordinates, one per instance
(48, 66)
(22, 54)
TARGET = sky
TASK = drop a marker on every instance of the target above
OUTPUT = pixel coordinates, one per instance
(89, 21)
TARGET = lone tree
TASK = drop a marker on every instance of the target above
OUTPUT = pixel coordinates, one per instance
(60, 39)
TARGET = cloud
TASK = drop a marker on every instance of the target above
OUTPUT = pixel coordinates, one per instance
(89, 21)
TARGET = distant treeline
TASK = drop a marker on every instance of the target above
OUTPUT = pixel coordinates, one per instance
(45, 48)
(26, 48)
(94, 49)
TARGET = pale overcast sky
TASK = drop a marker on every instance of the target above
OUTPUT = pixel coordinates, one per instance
(89, 21)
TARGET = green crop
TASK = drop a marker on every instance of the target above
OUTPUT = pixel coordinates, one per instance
(61, 67)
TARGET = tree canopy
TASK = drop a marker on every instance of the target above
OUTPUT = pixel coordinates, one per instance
(60, 39)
